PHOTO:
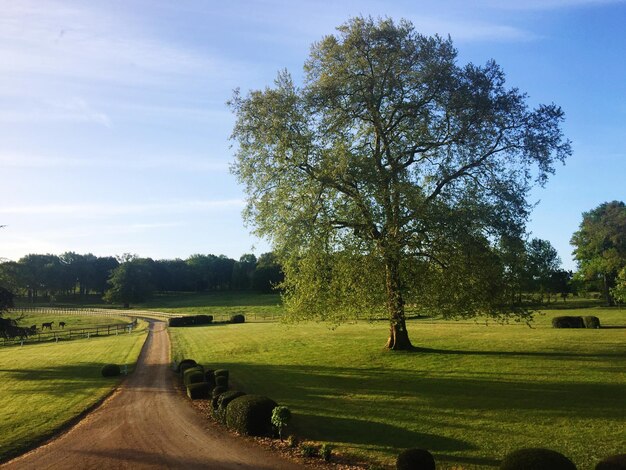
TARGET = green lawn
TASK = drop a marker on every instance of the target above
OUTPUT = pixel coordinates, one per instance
(256, 307)
(480, 392)
(42, 386)
(71, 321)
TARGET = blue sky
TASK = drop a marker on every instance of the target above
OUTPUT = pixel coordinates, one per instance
(114, 129)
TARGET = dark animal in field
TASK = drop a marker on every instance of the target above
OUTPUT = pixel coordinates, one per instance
(33, 327)
(47, 325)
(62, 324)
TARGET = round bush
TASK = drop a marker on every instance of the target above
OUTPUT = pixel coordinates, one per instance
(591, 322)
(250, 415)
(614, 462)
(198, 390)
(222, 403)
(215, 394)
(185, 364)
(110, 370)
(209, 376)
(238, 318)
(536, 459)
(415, 459)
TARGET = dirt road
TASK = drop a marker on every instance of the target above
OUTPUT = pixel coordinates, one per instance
(146, 424)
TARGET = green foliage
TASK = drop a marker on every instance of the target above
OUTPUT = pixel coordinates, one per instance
(614, 462)
(250, 415)
(209, 376)
(221, 381)
(110, 370)
(293, 441)
(568, 322)
(221, 373)
(237, 318)
(415, 459)
(536, 459)
(619, 291)
(198, 390)
(130, 282)
(391, 159)
(215, 394)
(326, 452)
(281, 415)
(222, 403)
(308, 450)
(191, 320)
(600, 244)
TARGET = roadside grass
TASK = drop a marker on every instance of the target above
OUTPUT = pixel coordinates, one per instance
(44, 386)
(477, 392)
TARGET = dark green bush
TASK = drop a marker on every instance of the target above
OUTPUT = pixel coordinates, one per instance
(221, 372)
(591, 322)
(614, 462)
(185, 364)
(189, 370)
(238, 318)
(222, 403)
(215, 394)
(308, 450)
(568, 322)
(536, 459)
(209, 376)
(193, 377)
(191, 320)
(326, 452)
(110, 370)
(221, 381)
(415, 459)
(198, 390)
(251, 415)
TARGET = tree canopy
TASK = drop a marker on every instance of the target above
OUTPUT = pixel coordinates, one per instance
(389, 175)
(600, 244)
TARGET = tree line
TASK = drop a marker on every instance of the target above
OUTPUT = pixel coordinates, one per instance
(130, 278)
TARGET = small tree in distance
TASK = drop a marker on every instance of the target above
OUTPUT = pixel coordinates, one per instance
(130, 282)
(388, 175)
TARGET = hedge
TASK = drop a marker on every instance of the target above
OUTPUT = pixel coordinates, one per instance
(413, 459)
(536, 459)
(198, 390)
(110, 370)
(191, 320)
(251, 415)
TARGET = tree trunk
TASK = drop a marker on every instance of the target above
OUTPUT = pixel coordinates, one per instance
(398, 334)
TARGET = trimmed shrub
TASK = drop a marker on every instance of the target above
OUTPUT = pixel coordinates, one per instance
(591, 322)
(238, 318)
(193, 376)
(308, 450)
(250, 415)
(209, 376)
(415, 459)
(221, 381)
(614, 462)
(568, 322)
(222, 403)
(203, 319)
(188, 370)
(110, 370)
(185, 364)
(215, 394)
(536, 459)
(221, 372)
(198, 390)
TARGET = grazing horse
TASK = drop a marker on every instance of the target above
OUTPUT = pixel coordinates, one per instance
(47, 325)
(62, 324)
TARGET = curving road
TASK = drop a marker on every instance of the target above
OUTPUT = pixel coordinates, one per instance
(146, 424)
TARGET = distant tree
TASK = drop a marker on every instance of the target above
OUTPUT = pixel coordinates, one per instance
(131, 282)
(619, 291)
(600, 245)
(542, 263)
(103, 267)
(9, 327)
(387, 175)
(243, 272)
(268, 274)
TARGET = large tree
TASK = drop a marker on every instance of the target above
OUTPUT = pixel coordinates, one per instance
(388, 175)
(600, 244)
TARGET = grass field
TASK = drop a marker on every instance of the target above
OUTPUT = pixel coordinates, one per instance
(71, 321)
(480, 392)
(43, 386)
(256, 307)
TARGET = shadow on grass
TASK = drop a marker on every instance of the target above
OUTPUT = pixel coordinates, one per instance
(374, 434)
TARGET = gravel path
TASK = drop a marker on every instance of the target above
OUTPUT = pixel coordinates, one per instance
(146, 424)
